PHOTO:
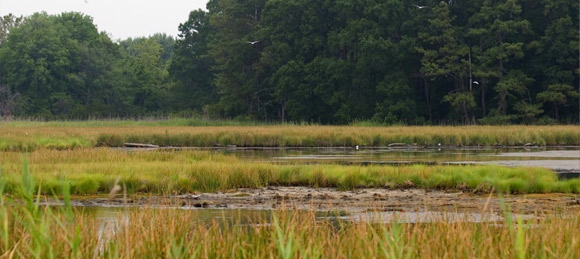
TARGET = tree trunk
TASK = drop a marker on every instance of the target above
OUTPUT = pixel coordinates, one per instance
(465, 114)
(283, 111)
(470, 74)
(502, 102)
(483, 95)
(426, 84)
(556, 111)
(463, 106)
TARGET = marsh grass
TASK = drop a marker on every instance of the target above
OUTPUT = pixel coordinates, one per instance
(174, 233)
(16, 136)
(33, 231)
(94, 171)
(328, 136)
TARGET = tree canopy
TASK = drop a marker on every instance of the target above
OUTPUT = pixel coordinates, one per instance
(335, 62)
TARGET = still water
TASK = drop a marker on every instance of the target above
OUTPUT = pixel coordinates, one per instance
(564, 160)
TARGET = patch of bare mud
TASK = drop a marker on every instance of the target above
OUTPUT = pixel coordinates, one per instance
(360, 200)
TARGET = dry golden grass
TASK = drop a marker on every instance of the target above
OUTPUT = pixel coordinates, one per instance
(64, 137)
(172, 233)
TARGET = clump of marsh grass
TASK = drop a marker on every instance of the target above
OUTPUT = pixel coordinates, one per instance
(97, 171)
(23, 216)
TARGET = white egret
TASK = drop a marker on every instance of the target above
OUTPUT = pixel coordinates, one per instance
(420, 6)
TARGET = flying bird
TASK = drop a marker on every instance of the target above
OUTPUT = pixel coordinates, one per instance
(253, 42)
(475, 82)
(420, 6)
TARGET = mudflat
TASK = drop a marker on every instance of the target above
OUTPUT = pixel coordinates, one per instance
(359, 200)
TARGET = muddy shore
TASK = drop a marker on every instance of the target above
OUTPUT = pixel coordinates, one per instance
(360, 200)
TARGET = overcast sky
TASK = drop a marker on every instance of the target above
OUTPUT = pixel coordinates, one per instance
(120, 18)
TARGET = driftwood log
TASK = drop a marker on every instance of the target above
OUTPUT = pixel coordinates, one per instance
(140, 145)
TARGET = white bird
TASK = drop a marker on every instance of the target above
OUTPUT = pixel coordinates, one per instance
(356, 147)
(420, 6)
(253, 42)
(116, 188)
(475, 82)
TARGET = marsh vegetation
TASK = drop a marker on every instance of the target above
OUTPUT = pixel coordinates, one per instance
(50, 173)
(29, 230)
(94, 171)
(28, 136)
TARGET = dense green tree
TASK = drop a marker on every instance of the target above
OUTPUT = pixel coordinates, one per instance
(558, 94)
(191, 65)
(8, 99)
(292, 34)
(397, 104)
(444, 56)
(235, 49)
(7, 23)
(58, 64)
(142, 76)
(498, 27)
(553, 56)
(515, 82)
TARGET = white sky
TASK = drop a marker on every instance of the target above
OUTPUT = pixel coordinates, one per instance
(119, 18)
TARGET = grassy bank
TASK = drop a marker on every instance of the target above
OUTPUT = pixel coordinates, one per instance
(26, 136)
(31, 231)
(94, 171)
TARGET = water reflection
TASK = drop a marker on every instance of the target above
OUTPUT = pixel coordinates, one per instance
(113, 220)
(417, 153)
(565, 160)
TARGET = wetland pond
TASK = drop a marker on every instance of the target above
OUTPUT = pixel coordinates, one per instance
(563, 160)
(252, 206)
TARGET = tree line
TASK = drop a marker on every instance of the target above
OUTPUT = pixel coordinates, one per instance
(321, 61)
